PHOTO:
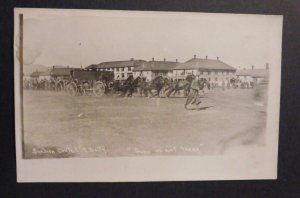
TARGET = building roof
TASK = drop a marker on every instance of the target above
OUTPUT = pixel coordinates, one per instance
(258, 73)
(205, 64)
(157, 66)
(60, 71)
(114, 64)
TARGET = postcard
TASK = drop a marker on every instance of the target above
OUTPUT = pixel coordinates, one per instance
(122, 96)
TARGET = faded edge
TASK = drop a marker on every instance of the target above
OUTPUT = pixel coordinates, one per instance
(21, 79)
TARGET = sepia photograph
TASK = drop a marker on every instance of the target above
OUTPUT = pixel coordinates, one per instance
(147, 87)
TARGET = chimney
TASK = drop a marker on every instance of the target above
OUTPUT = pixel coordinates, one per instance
(195, 56)
(164, 59)
(206, 57)
(153, 59)
(252, 67)
(218, 58)
(176, 60)
(267, 66)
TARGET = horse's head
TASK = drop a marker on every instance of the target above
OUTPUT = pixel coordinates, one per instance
(167, 81)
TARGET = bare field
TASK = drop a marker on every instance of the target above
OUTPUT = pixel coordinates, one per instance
(59, 125)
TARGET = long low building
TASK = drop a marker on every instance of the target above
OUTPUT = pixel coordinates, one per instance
(55, 72)
(214, 70)
(122, 69)
(252, 75)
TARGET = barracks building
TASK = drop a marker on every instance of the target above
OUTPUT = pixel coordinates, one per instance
(214, 70)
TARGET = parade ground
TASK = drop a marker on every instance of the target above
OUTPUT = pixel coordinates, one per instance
(59, 125)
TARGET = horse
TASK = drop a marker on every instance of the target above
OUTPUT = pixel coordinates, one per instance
(156, 84)
(176, 86)
(129, 86)
(42, 84)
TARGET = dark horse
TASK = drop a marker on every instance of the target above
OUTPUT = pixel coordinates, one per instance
(156, 84)
(129, 86)
(175, 86)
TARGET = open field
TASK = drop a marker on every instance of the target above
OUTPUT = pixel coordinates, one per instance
(58, 125)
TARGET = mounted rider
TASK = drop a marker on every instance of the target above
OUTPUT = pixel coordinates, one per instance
(194, 97)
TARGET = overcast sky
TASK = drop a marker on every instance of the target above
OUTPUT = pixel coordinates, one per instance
(239, 40)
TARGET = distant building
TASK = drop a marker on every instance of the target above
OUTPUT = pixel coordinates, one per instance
(45, 75)
(153, 68)
(35, 75)
(60, 72)
(252, 75)
(122, 69)
(214, 70)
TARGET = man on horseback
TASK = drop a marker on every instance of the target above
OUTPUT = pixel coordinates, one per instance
(194, 97)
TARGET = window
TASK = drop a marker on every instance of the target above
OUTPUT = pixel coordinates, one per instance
(208, 73)
(122, 69)
(123, 75)
(118, 69)
(129, 68)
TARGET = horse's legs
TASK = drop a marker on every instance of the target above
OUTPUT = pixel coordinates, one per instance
(158, 92)
(175, 92)
(151, 94)
(170, 92)
(131, 89)
(145, 92)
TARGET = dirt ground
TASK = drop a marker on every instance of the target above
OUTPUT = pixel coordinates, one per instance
(59, 125)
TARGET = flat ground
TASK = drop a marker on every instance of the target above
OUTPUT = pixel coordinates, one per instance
(59, 125)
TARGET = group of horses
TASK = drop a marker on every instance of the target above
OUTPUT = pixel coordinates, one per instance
(160, 86)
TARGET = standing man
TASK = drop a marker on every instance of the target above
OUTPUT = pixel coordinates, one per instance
(193, 96)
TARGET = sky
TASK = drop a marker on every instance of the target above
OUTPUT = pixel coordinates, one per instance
(82, 39)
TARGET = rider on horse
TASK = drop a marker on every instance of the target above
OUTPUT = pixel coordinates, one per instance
(196, 86)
